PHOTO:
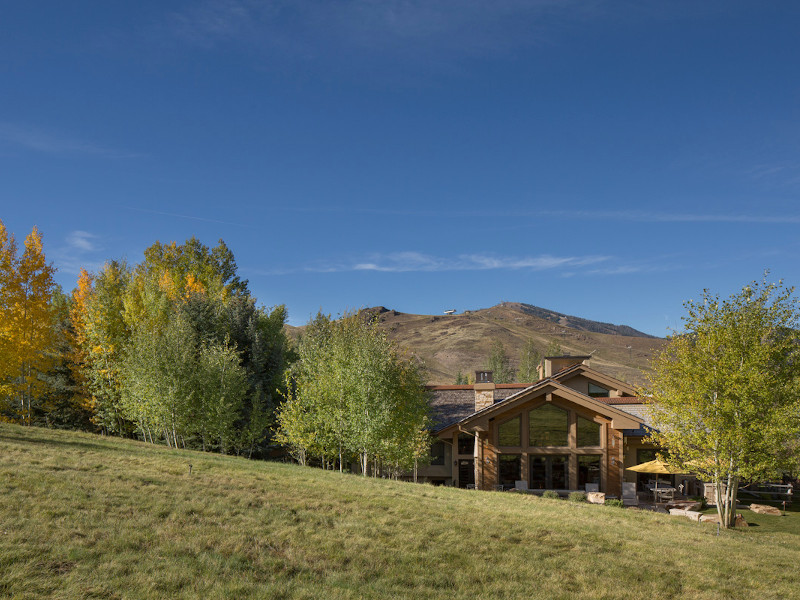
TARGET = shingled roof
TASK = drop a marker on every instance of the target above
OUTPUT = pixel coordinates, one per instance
(453, 403)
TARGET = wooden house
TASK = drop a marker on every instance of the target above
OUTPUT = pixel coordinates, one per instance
(573, 427)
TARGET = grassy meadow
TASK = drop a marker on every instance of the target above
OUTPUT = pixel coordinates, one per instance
(83, 516)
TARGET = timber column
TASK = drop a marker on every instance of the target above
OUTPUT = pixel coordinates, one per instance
(480, 459)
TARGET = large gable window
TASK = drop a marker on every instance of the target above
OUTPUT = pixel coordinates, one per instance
(510, 432)
(549, 426)
(595, 391)
(588, 433)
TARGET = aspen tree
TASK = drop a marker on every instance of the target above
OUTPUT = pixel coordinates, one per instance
(31, 333)
(725, 390)
(8, 261)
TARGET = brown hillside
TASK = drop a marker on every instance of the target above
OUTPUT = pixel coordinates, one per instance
(452, 343)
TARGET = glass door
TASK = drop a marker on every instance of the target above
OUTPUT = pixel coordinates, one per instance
(549, 472)
(466, 472)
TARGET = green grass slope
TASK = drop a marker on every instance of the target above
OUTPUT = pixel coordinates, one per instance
(88, 517)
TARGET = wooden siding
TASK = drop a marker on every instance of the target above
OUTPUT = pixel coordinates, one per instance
(615, 463)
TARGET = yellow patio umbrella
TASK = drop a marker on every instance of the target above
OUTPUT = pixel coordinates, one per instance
(657, 467)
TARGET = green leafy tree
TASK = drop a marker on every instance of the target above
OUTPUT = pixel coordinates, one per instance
(353, 393)
(554, 349)
(159, 382)
(500, 364)
(461, 379)
(725, 389)
(528, 370)
(187, 300)
(101, 334)
(60, 405)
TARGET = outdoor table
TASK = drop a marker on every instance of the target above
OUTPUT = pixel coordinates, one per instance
(660, 492)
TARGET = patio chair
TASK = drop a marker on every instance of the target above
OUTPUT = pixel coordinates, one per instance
(629, 497)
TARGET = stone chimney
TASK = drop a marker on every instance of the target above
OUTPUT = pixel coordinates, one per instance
(484, 389)
(554, 364)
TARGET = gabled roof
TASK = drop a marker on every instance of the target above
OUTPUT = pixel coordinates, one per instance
(581, 369)
(619, 419)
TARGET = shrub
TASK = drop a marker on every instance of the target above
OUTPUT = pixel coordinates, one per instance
(552, 494)
(615, 502)
(577, 497)
(702, 500)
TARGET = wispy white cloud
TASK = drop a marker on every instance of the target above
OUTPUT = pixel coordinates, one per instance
(80, 249)
(404, 262)
(81, 241)
(38, 140)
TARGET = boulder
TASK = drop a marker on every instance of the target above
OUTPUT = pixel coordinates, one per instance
(682, 512)
(709, 518)
(684, 505)
(762, 509)
(596, 497)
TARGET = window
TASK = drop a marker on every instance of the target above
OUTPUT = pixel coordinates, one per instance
(548, 426)
(549, 472)
(510, 432)
(466, 443)
(588, 433)
(588, 470)
(437, 453)
(595, 391)
(510, 469)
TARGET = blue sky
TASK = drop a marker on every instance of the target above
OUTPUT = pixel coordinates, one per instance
(603, 159)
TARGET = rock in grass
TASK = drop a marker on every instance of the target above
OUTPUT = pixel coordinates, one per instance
(596, 497)
(763, 509)
(709, 519)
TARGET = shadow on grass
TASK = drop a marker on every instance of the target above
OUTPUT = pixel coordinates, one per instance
(55, 443)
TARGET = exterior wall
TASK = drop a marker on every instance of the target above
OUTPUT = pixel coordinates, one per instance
(615, 462)
(632, 446)
(442, 473)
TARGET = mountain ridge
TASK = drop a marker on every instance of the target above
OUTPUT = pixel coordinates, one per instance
(461, 343)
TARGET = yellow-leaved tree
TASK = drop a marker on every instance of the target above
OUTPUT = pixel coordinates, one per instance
(8, 256)
(26, 290)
